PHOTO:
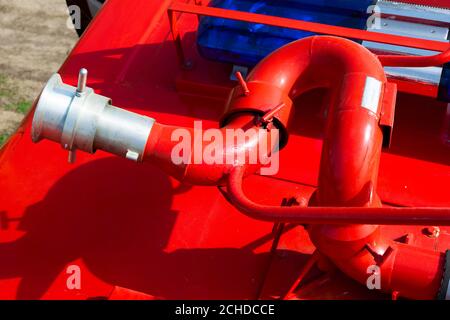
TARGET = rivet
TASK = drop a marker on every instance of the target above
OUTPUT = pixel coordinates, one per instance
(432, 232)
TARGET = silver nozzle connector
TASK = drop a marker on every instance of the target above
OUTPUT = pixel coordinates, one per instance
(80, 119)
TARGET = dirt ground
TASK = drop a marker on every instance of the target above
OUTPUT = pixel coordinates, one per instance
(34, 41)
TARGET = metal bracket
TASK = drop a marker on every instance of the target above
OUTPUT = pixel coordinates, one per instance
(388, 112)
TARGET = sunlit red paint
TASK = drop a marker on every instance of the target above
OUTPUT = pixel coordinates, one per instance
(206, 229)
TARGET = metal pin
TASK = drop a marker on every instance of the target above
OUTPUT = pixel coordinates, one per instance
(72, 156)
(132, 155)
(242, 83)
(82, 80)
(268, 116)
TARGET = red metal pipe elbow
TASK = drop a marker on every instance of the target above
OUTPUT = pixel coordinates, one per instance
(349, 165)
(297, 67)
(180, 151)
(359, 251)
(353, 137)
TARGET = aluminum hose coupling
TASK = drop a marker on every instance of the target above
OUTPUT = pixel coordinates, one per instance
(78, 118)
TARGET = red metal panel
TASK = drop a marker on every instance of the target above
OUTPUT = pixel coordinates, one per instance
(433, 3)
(131, 226)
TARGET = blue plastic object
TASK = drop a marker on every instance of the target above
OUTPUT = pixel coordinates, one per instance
(444, 87)
(245, 44)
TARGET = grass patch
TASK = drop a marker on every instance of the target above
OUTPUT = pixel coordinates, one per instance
(3, 138)
(11, 101)
(4, 91)
(21, 106)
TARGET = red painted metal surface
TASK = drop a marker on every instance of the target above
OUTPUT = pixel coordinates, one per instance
(132, 226)
(433, 3)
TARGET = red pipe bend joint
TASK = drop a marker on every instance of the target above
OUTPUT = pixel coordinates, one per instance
(349, 165)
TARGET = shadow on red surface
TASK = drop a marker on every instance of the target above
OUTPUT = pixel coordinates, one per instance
(91, 214)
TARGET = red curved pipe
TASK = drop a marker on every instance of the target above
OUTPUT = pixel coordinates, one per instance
(353, 138)
(349, 169)
(331, 215)
(321, 62)
(413, 61)
(409, 271)
(164, 139)
(349, 165)
(354, 248)
(300, 66)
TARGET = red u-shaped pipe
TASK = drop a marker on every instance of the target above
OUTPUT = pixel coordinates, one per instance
(349, 165)
(352, 144)
(346, 68)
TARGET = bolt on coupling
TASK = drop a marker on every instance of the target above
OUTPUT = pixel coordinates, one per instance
(78, 118)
